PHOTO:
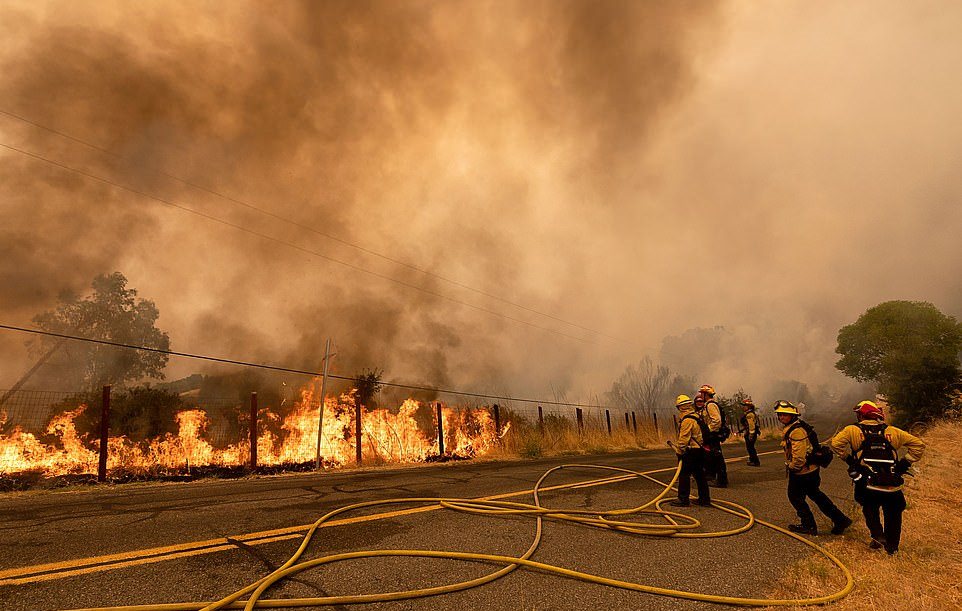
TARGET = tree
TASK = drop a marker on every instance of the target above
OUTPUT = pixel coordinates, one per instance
(644, 385)
(368, 385)
(910, 350)
(112, 313)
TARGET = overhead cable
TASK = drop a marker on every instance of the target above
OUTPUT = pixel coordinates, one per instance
(306, 227)
(446, 391)
(265, 236)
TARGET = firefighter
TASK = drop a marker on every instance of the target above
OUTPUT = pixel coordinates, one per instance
(872, 449)
(690, 447)
(715, 465)
(750, 428)
(804, 478)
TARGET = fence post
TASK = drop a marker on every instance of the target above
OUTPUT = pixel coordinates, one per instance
(608, 420)
(540, 420)
(253, 431)
(627, 422)
(440, 432)
(580, 416)
(654, 419)
(357, 431)
(497, 420)
(104, 426)
(634, 423)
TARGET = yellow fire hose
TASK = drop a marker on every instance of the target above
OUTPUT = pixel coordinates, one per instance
(675, 524)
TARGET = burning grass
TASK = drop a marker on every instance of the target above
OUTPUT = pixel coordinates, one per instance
(405, 434)
(924, 574)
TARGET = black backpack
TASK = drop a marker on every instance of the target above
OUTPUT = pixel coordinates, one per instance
(821, 455)
(705, 433)
(878, 458)
(724, 431)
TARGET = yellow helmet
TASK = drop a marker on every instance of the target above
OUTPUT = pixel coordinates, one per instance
(785, 407)
(707, 389)
(682, 400)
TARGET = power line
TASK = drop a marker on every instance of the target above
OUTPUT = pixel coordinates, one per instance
(314, 230)
(308, 372)
(265, 236)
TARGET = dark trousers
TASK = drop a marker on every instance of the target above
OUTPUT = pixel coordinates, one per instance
(805, 486)
(715, 465)
(693, 465)
(891, 505)
(750, 446)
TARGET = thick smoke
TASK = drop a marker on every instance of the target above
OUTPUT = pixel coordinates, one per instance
(641, 168)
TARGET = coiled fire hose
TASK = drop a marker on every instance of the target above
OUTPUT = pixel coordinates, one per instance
(677, 525)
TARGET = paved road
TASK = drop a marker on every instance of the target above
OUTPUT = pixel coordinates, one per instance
(214, 539)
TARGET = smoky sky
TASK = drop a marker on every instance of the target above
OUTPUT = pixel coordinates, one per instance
(637, 168)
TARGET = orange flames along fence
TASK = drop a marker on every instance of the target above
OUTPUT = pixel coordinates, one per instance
(408, 433)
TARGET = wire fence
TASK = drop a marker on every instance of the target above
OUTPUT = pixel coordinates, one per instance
(149, 431)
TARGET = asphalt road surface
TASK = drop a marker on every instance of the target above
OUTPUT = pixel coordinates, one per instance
(161, 543)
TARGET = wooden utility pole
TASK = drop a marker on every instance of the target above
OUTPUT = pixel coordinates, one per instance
(320, 417)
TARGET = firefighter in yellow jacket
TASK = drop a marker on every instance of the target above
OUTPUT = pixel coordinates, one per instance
(707, 407)
(750, 428)
(690, 447)
(804, 479)
(872, 449)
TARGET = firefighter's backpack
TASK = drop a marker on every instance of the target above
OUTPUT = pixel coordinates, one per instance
(877, 458)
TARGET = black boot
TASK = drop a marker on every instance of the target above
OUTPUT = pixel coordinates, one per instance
(840, 526)
(802, 529)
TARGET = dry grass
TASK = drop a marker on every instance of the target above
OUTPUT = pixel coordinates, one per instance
(925, 573)
(560, 437)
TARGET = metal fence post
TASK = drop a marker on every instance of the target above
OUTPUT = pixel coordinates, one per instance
(253, 431)
(357, 431)
(497, 419)
(627, 422)
(608, 420)
(440, 432)
(654, 419)
(634, 423)
(540, 419)
(104, 426)
(580, 416)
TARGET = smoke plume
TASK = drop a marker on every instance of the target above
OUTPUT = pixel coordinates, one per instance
(637, 168)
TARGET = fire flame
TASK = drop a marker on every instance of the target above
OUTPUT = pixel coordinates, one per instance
(387, 436)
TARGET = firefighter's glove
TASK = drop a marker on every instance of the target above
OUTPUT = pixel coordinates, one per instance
(902, 466)
(855, 473)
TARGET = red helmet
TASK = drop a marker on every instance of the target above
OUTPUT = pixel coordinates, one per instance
(867, 409)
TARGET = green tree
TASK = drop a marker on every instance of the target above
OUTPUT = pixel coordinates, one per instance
(113, 313)
(910, 350)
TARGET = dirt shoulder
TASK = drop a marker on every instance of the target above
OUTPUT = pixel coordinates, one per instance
(924, 574)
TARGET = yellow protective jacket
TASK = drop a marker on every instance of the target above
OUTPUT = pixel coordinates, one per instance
(797, 448)
(750, 423)
(712, 415)
(850, 439)
(689, 431)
